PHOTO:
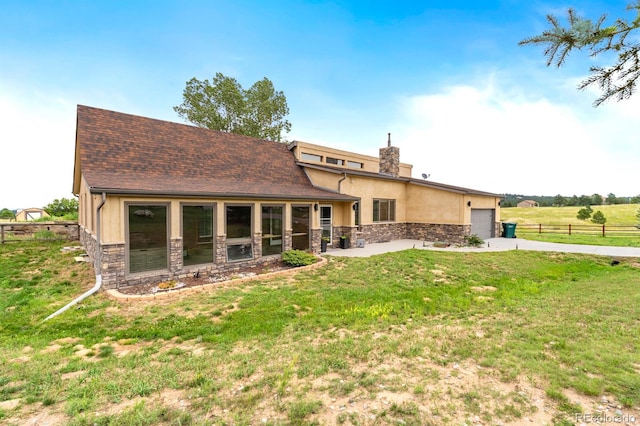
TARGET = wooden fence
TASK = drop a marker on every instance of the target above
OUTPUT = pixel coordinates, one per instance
(592, 230)
(39, 231)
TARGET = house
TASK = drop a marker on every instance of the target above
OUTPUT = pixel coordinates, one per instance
(528, 203)
(161, 200)
(31, 213)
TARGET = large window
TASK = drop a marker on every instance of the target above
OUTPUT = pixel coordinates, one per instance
(147, 237)
(272, 226)
(384, 210)
(239, 227)
(197, 234)
(300, 221)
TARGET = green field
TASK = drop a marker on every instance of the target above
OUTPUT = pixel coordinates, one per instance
(621, 228)
(617, 214)
(413, 338)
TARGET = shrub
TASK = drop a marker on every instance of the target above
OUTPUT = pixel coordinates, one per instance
(473, 240)
(298, 258)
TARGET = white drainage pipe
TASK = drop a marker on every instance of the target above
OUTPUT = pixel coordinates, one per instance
(79, 299)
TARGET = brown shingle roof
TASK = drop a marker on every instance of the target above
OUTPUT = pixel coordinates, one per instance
(123, 153)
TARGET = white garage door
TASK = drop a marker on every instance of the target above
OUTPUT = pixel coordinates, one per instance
(483, 223)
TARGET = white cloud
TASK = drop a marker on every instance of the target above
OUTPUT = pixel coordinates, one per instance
(495, 138)
(38, 138)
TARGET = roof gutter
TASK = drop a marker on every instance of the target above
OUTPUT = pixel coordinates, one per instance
(98, 267)
(227, 195)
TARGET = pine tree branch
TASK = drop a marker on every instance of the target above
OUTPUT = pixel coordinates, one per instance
(617, 81)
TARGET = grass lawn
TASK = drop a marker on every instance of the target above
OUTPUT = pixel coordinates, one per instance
(414, 338)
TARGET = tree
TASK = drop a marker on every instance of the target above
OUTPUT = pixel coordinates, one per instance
(598, 217)
(573, 201)
(584, 213)
(596, 200)
(635, 200)
(617, 81)
(223, 104)
(7, 214)
(62, 207)
(559, 201)
(612, 199)
(584, 200)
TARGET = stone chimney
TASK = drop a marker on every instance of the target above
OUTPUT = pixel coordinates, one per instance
(390, 159)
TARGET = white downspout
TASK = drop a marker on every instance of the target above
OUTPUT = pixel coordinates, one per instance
(340, 183)
(98, 267)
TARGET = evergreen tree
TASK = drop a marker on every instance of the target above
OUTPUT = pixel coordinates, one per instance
(617, 81)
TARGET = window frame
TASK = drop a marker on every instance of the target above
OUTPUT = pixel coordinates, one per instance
(242, 241)
(127, 230)
(213, 230)
(307, 156)
(379, 207)
(271, 236)
(295, 234)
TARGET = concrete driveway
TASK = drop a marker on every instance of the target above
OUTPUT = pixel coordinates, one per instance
(492, 244)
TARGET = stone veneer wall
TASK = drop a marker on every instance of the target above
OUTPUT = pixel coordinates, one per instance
(66, 230)
(349, 231)
(383, 232)
(257, 245)
(438, 232)
(288, 240)
(113, 265)
(176, 261)
(114, 261)
(316, 238)
(221, 253)
(390, 160)
(89, 243)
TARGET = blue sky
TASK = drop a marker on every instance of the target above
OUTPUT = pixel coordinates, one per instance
(462, 101)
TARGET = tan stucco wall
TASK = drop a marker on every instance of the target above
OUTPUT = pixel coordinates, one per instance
(368, 189)
(86, 207)
(370, 163)
(324, 180)
(414, 203)
(431, 205)
(438, 206)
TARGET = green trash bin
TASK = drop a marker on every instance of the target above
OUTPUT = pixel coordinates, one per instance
(508, 230)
